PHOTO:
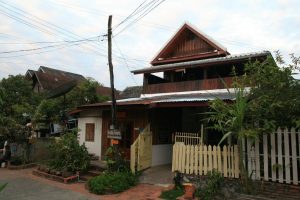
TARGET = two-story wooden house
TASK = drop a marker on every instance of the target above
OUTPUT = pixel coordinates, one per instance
(184, 76)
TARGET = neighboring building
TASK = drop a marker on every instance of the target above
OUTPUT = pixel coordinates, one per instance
(196, 69)
(52, 81)
(131, 92)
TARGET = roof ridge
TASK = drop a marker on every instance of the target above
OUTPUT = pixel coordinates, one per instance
(53, 69)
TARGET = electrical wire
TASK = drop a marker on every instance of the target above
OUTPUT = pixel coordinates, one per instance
(134, 12)
(45, 47)
(125, 61)
(49, 25)
(146, 12)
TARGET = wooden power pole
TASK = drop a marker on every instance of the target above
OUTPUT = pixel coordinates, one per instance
(111, 73)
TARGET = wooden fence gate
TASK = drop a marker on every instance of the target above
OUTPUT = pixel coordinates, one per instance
(275, 157)
(141, 151)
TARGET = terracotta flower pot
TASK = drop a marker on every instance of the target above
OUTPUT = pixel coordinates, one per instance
(189, 190)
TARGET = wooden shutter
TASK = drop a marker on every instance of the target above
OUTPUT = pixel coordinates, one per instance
(89, 132)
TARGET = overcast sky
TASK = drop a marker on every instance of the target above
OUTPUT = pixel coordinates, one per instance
(241, 26)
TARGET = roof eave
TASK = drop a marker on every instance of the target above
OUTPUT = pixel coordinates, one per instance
(162, 68)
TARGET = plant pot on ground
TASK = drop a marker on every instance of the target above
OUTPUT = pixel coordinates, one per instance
(189, 190)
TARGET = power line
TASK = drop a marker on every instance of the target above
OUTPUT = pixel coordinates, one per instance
(144, 9)
(98, 12)
(26, 23)
(50, 42)
(45, 47)
(146, 12)
(58, 48)
(47, 25)
(135, 11)
(125, 61)
(64, 32)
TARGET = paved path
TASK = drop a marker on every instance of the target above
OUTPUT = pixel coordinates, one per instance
(22, 185)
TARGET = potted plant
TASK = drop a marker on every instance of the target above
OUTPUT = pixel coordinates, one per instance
(189, 188)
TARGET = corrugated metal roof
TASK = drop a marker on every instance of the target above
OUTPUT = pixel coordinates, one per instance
(188, 64)
(198, 97)
(195, 97)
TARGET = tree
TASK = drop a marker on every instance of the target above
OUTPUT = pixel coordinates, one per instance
(231, 120)
(273, 92)
(17, 100)
(274, 101)
(85, 93)
(54, 110)
(17, 105)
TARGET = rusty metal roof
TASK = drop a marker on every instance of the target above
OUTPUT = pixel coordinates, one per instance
(193, 97)
(190, 64)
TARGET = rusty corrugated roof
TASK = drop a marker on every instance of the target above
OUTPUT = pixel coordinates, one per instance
(209, 61)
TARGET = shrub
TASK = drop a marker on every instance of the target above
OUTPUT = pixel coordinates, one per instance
(213, 183)
(115, 160)
(16, 161)
(172, 194)
(68, 154)
(116, 182)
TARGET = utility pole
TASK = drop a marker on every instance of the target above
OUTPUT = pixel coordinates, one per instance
(111, 73)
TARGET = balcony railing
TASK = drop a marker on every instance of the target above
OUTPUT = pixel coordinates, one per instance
(207, 84)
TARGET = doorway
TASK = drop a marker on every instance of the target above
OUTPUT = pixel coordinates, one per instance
(126, 129)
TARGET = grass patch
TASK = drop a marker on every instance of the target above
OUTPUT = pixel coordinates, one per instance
(172, 194)
(3, 186)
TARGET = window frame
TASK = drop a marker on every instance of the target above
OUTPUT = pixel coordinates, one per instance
(89, 137)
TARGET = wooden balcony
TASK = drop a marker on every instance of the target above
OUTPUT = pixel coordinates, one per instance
(207, 84)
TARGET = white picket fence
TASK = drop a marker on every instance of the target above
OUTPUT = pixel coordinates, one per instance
(275, 157)
(200, 159)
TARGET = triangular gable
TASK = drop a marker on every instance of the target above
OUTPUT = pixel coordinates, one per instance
(189, 44)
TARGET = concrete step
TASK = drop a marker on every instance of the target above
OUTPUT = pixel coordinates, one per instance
(94, 172)
(251, 197)
(98, 165)
(86, 177)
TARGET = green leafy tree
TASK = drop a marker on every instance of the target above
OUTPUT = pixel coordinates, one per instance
(85, 93)
(54, 110)
(274, 99)
(273, 93)
(17, 105)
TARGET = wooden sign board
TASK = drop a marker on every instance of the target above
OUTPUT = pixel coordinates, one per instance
(114, 134)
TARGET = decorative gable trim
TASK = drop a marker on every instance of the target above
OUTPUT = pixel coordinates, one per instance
(214, 49)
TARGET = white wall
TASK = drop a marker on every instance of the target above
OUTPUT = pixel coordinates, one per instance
(161, 154)
(93, 147)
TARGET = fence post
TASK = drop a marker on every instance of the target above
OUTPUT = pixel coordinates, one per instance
(196, 160)
(219, 159)
(266, 160)
(273, 158)
(257, 160)
(205, 159)
(280, 160)
(294, 156)
(225, 160)
(201, 159)
(252, 160)
(209, 158)
(215, 160)
(236, 161)
(192, 159)
(287, 156)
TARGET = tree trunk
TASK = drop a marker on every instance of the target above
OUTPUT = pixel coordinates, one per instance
(244, 174)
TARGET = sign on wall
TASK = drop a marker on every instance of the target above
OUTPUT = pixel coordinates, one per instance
(114, 134)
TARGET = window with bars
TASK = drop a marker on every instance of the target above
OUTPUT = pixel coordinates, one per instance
(89, 132)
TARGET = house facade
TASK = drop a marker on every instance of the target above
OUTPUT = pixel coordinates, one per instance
(184, 76)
